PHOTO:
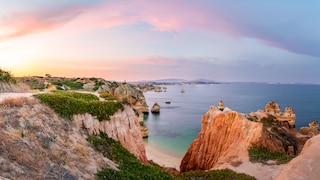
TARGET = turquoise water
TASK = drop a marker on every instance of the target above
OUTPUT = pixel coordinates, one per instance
(179, 123)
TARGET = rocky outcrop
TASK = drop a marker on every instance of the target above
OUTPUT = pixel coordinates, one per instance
(226, 135)
(157, 89)
(122, 126)
(288, 115)
(306, 165)
(128, 92)
(155, 108)
(312, 130)
(272, 108)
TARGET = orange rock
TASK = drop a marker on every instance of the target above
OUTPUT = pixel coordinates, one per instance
(225, 136)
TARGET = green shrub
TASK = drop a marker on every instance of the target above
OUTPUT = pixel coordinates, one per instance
(262, 155)
(69, 103)
(98, 84)
(225, 174)
(130, 167)
(74, 85)
(6, 77)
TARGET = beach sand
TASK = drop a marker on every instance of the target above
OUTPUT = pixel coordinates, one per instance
(162, 158)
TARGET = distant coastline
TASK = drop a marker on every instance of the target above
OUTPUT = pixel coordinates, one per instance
(207, 81)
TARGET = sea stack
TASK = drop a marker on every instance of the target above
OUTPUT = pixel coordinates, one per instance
(155, 108)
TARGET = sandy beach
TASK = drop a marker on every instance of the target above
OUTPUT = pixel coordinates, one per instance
(161, 158)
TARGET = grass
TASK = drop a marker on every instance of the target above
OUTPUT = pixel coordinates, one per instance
(225, 174)
(262, 155)
(130, 167)
(69, 103)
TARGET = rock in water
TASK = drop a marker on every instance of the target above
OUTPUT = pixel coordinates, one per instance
(155, 108)
(312, 130)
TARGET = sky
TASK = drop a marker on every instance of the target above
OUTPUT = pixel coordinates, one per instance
(130, 40)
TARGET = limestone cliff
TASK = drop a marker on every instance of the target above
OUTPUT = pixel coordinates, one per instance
(225, 137)
(122, 126)
(35, 143)
(306, 165)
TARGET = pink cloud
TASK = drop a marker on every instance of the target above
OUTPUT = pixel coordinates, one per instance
(169, 16)
(24, 23)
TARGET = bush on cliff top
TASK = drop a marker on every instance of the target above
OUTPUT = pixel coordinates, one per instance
(225, 174)
(6, 77)
(73, 84)
(69, 103)
(130, 167)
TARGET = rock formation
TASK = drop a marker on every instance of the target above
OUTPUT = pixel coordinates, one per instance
(306, 165)
(220, 105)
(225, 137)
(128, 92)
(312, 130)
(155, 108)
(273, 108)
(157, 89)
(122, 126)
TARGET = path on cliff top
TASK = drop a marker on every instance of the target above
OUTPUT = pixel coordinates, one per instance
(14, 95)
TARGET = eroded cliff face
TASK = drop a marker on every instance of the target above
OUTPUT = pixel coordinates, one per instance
(122, 126)
(35, 143)
(225, 137)
(306, 165)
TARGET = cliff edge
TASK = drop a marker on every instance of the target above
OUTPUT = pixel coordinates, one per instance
(226, 136)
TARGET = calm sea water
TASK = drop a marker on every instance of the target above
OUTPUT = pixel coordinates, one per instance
(179, 123)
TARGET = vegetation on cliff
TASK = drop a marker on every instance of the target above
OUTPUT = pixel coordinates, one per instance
(69, 103)
(262, 155)
(6, 77)
(225, 174)
(74, 85)
(130, 167)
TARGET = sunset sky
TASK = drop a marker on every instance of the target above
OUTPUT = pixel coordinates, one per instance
(235, 41)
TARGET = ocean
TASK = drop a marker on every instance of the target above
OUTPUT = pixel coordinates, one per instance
(179, 123)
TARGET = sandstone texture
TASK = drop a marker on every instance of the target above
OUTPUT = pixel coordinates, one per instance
(226, 135)
(306, 166)
(123, 126)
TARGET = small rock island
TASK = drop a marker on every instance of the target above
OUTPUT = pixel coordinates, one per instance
(155, 108)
